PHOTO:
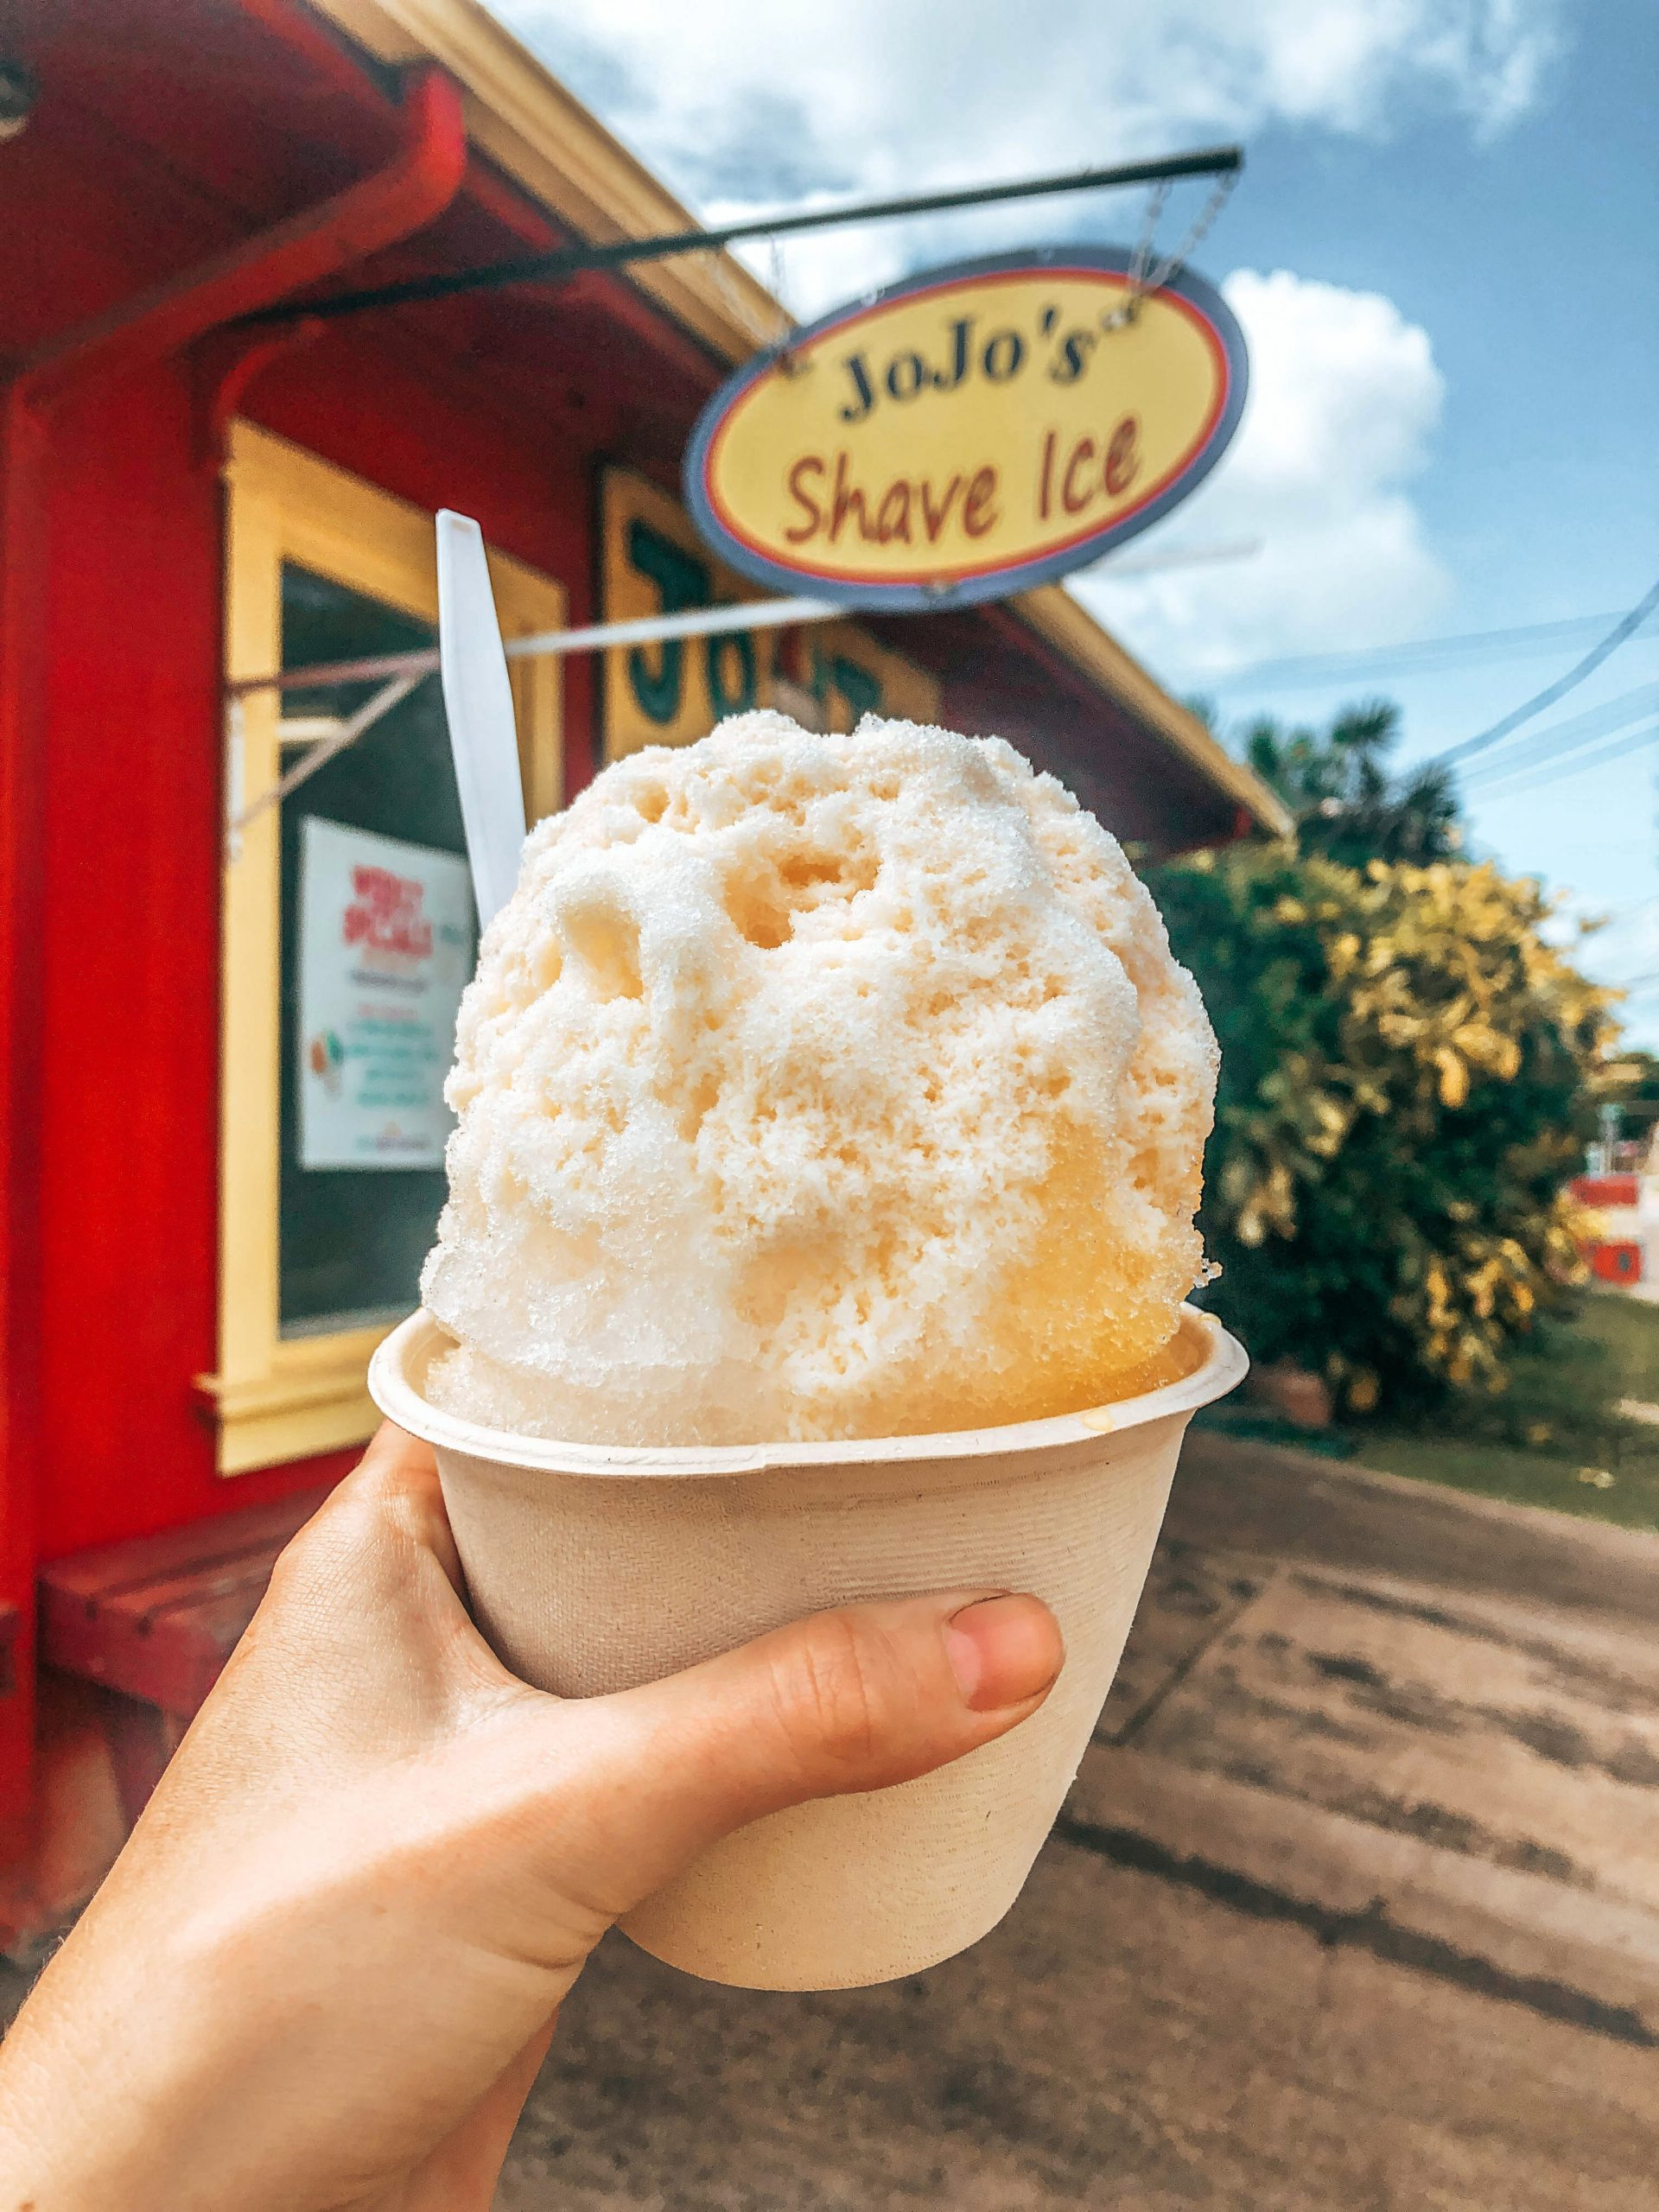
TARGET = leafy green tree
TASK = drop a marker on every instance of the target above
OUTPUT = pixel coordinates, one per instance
(1409, 1071)
(1347, 805)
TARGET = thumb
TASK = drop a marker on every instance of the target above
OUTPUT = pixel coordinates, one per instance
(854, 1700)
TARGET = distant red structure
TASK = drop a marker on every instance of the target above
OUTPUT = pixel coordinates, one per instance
(1618, 1254)
(1606, 1190)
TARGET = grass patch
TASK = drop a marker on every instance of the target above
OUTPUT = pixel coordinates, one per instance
(1629, 1333)
(1522, 1477)
(1556, 1438)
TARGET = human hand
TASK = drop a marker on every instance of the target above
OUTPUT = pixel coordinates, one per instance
(323, 1972)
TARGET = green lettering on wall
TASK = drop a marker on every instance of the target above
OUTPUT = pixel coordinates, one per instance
(740, 701)
(859, 686)
(681, 580)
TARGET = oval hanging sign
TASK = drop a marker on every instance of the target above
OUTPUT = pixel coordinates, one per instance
(970, 432)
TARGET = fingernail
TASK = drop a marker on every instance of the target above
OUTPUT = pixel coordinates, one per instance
(1003, 1651)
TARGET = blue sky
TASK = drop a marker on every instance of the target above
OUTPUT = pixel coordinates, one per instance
(1446, 255)
(1532, 261)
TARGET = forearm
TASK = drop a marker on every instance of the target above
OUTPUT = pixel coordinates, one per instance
(263, 2048)
(146, 2110)
(95, 2102)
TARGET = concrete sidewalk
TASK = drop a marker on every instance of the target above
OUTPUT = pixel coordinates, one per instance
(1400, 1760)
(1121, 2044)
(1355, 1904)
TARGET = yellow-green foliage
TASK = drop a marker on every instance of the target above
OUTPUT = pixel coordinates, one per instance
(1408, 1072)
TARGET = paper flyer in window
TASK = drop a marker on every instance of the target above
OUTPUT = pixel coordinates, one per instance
(387, 946)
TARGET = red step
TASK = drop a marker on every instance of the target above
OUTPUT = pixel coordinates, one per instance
(157, 1617)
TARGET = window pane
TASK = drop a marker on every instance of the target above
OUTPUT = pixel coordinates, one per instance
(353, 1237)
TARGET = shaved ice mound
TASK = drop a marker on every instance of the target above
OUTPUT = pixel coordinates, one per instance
(815, 1087)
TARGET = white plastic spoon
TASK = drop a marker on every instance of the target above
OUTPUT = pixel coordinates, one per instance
(478, 700)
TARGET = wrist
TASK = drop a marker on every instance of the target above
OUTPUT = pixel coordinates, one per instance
(114, 2086)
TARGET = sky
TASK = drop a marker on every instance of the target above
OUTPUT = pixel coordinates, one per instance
(1445, 253)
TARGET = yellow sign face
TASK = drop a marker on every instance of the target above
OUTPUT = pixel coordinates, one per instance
(968, 434)
(827, 675)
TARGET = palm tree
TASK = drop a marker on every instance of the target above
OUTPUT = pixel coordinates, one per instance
(1347, 806)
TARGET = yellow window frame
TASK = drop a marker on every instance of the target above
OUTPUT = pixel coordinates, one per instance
(278, 1399)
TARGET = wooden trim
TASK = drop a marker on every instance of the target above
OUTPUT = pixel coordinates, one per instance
(274, 1398)
(1055, 616)
(520, 115)
(286, 1415)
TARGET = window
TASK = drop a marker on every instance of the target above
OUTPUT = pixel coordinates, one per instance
(350, 1239)
(323, 1228)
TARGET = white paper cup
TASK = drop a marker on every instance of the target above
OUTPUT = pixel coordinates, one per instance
(594, 1568)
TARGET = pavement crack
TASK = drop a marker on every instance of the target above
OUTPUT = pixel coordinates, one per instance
(1226, 1618)
(1368, 1928)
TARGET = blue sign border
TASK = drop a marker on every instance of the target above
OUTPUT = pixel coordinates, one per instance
(1001, 583)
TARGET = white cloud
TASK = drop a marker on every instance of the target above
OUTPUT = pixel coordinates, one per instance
(745, 104)
(1345, 398)
(749, 104)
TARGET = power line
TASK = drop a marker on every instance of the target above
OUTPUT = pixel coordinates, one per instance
(1562, 737)
(1582, 762)
(1579, 767)
(1299, 668)
(1592, 661)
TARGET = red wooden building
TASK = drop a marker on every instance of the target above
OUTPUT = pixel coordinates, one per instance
(186, 1307)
